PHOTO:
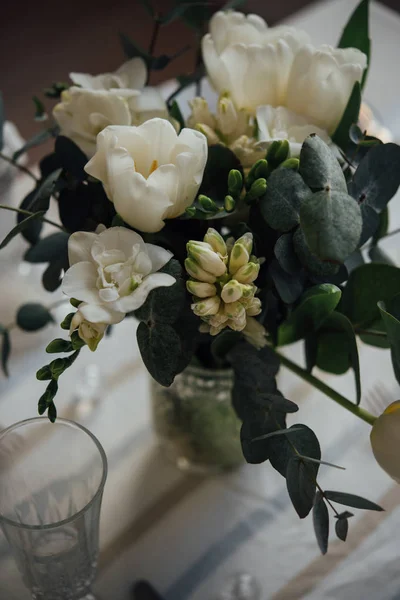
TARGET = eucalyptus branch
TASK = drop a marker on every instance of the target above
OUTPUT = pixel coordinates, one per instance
(28, 213)
(51, 307)
(17, 165)
(321, 491)
(359, 412)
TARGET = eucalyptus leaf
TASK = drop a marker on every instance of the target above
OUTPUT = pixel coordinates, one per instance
(160, 348)
(352, 500)
(281, 203)
(356, 33)
(71, 157)
(375, 335)
(175, 113)
(41, 198)
(391, 320)
(21, 226)
(5, 350)
(37, 140)
(52, 276)
(30, 233)
(314, 307)
(315, 266)
(319, 167)
(321, 523)
(224, 342)
(301, 485)
(283, 448)
(33, 316)
(285, 254)
(258, 424)
(331, 222)
(370, 223)
(311, 351)
(164, 304)
(289, 287)
(48, 248)
(350, 116)
(366, 286)
(341, 529)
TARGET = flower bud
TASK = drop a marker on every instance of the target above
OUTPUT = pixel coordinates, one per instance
(235, 310)
(206, 307)
(205, 256)
(248, 291)
(195, 271)
(239, 257)
(258, 189)
(207, 203)
(201, 289)
(248, 273)
(259, 169)
(200, 113)
(253, 308)
(210, 134)
(238, 323)
(219, 319)
(278, 152)
(232, 291)
(229, 204)
(191, 211)
(246, 240)
(385, 440)
(227, 116)
(255, 333)
(290, 163)
(216, 241)
(235, 182)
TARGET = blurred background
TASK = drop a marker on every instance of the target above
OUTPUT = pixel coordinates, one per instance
(43, 42)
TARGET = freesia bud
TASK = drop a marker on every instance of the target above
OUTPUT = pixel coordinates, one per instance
(259, 169)
(216, 241)
(385, 440)
(207, 203)
(210, 134)
(248, 273)
(239, 257)
(206, 307)
(232, 291)
(235, 182)
(235, 310)
(200, 113)
(205, 256)
(253, 308)
(90, 333)
(278, 152)
(246, 240)
(229, 204)
(195, 271)
(226, 115)
(258, 189)
(239, 323)
(201, 289)
(290, 163)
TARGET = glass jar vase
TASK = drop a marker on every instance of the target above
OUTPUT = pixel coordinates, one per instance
(196, 424)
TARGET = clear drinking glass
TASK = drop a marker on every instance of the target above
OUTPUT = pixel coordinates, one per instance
(52, 478)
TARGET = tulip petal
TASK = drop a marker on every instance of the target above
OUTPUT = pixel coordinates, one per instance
(101, 314)
(158, 256)
(80, 282)
(139, 296)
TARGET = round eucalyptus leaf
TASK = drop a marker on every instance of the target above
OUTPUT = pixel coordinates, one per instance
(319, 167)
(33, 316)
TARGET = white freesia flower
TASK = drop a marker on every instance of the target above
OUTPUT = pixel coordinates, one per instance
(385, 440)
(90, 332)
(83, 113)
(149, 172)
(250, 61)
(276, 124)
(321, 81)
(131, 75)
(113, 272)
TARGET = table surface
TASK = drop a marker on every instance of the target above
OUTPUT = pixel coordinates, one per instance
(189, 535)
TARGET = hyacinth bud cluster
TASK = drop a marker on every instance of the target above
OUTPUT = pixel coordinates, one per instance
(222, 276)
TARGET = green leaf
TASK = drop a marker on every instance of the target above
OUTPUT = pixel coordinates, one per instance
(331, 222)
(2, 120)
(44, 373)
(352, 500)
(32, 232)
(319, 167)
(356, 33)
(343, 345)
(333, 354)
(220, 161)
(40, 111)
(375, 335)
(282, 448)
(341, 529)
(285, 254)
(370, 223)
(175, 113)
(366, 286)
(224, 342)
(37, 140)
(377, 177)
(33, 316)
(350, 116)
(71, 157)
(289, 287)
(321, 523)
(20, 227)
(59, 345)
(312, 263)
(52, 276)
(52, 413)
(41, 198)
(46, 399)
(311, 351)
(301, 485)
(48, 248)
(258, 424)
(315, 306)
(281, 203)
(391, 320)
(5, 350)
(160, 347)
(164, 304)
(383, 226)
(66, 323)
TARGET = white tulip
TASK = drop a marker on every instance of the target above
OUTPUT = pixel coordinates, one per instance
(276, 124)
(83, 113)
(149, 172)
(131, 75)
(113, 272)
(321, 81)
(250, 61)
(385, 440)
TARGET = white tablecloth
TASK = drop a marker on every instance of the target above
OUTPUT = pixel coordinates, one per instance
(189, 535)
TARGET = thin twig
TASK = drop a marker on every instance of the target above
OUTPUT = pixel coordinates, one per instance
(28, 213)
(17, 165)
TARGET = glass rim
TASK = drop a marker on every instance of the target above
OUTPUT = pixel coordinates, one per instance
(95, 496)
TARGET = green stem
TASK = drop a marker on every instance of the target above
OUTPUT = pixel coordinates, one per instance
(361, 413)
(18, 166)
(28, 213)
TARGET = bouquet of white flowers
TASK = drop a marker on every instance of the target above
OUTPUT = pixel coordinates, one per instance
(230, 233)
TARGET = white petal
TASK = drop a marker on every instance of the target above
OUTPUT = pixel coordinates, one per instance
(108, 294)
(139, 296)
(158, 256)
(133, 73)
(161, 137)
(148, 105)
(101, 314)
(79, 246)
(121, 238)
(80, 282)
(216, 70)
